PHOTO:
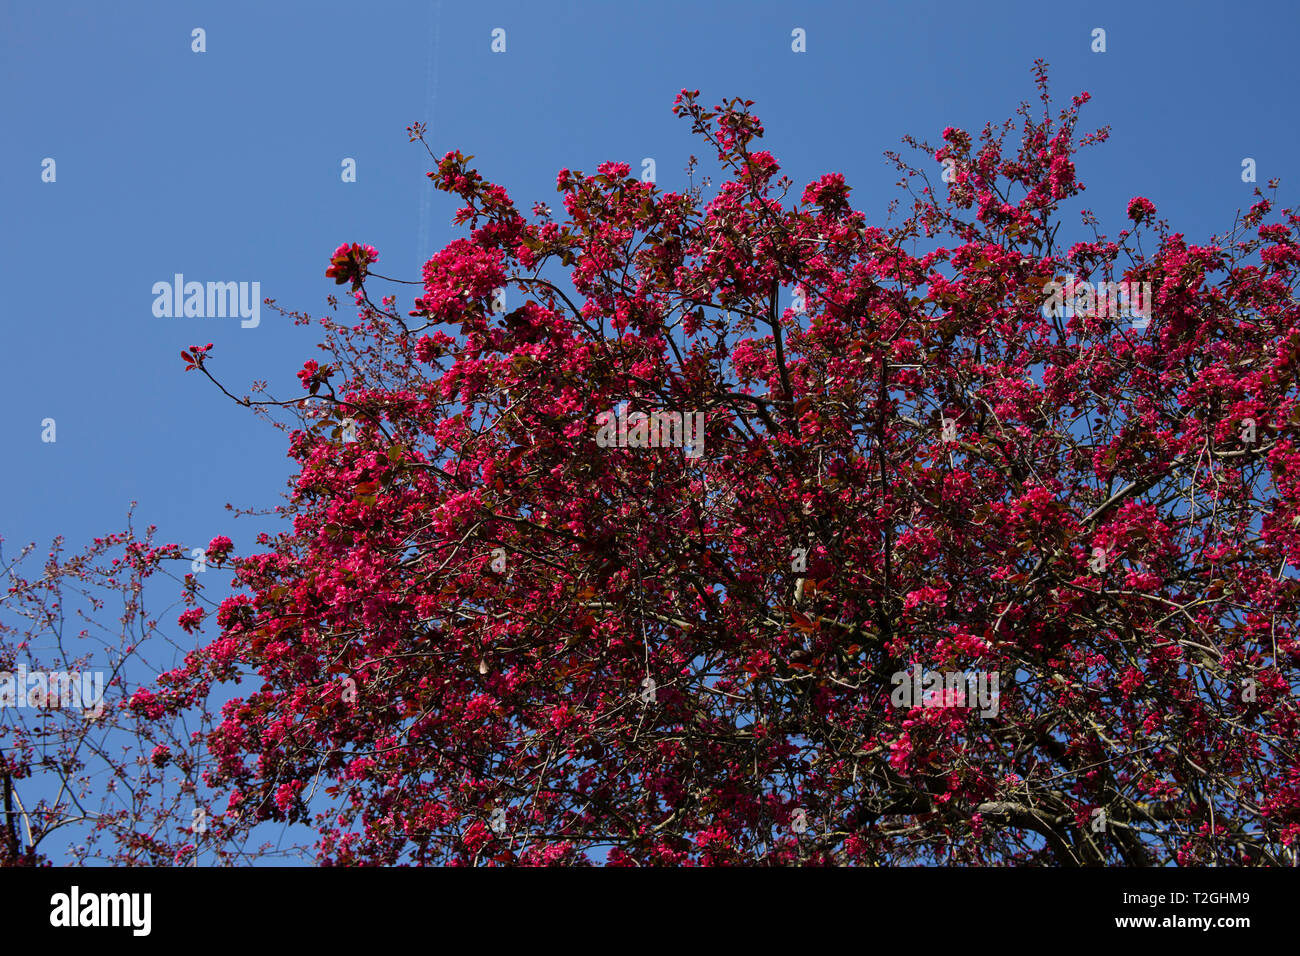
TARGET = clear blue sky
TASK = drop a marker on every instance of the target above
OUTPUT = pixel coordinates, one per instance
(225, 166)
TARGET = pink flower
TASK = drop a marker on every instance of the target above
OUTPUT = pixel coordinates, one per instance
(195, 356)
(613, 170)
(1140, 208)
(308, 374)
(900, 753)
(430, 347)
(285, 795)
(147, 703)
(351, 263)
(218, 548)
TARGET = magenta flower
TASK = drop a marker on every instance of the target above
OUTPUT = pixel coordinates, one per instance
(351, 264)
(1141, 208)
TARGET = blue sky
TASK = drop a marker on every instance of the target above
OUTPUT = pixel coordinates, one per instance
(225, 166)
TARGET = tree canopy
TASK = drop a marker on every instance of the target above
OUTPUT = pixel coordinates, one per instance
(935, 446)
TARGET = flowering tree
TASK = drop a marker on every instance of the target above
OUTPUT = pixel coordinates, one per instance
(83, 776)
(525, 614)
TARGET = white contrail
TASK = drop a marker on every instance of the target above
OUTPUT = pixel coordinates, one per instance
(422, 239)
